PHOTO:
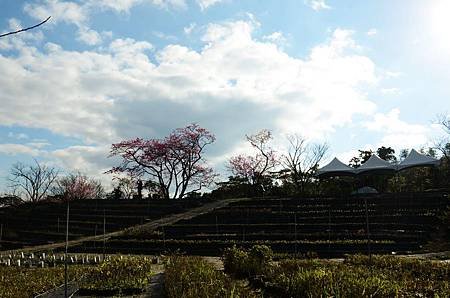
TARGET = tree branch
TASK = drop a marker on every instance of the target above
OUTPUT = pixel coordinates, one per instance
(25, 29)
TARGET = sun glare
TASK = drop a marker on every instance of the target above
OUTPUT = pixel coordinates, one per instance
(440, 23)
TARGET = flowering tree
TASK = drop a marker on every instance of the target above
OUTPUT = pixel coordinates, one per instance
(175, 164)
(253, 168)
(78, 187)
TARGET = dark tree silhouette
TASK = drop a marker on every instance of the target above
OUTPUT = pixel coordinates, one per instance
(302, 160)
(387, 153)
(33, 181)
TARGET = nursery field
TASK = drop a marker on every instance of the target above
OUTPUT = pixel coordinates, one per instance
(246, 273)
(327, 227)
(356, 276)
(37, 275)
(45, 222)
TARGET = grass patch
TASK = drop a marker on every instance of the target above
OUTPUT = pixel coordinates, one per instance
(357, 276)
(192, 277)
(16, 282)
(118, 276)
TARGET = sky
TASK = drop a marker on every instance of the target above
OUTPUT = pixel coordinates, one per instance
(354, 74)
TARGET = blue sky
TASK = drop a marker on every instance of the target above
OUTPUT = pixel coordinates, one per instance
(356, 74)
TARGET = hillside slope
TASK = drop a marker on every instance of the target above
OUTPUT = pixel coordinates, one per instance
(329, 227)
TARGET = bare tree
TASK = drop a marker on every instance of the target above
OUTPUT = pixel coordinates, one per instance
(254, 168)
(25, 29)
(444, 120)
(32, 181)
(302, 160)
(127, 186)
(443, 144)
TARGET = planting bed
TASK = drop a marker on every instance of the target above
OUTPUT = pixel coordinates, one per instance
(357, 276)
(329, 227)
(45, 222)
(26, 275)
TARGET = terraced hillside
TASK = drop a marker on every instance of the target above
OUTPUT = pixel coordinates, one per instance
(326, 226)
(42, 223)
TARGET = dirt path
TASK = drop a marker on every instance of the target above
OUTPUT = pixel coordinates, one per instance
(170, 219)
(215, 261)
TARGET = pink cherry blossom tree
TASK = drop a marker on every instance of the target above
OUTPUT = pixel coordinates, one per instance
(77, 186)
(255, 167)
(175, 164)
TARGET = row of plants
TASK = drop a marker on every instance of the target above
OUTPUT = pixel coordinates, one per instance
(291, 217)
(339, 207)
(193, 277)
(290, 236)
(427, 197)
(25, 222)
(177, 230)
(266, 242)
(17, 282)
(117, 276)
(357, 276)
(215, 248)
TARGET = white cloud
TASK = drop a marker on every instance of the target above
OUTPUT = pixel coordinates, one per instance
(79, 13)
(68, 12)
(392, 74)
(18, 136)
(115, 5)
(89, 36)
(61, 11)
(38, 145)
(165, 36)
(317, 4)
(204, 4)
(188, 30)
(14, 149)
(390, 91)
(397, 133)
(117, 92)
(372, 32)
(167, 4)
(277, 38)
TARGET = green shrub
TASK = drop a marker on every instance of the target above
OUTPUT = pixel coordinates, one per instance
(235, 262)
(246, 263)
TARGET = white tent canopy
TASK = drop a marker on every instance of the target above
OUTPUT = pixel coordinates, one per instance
(415, 159)
(336, 168)
(374, 163)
